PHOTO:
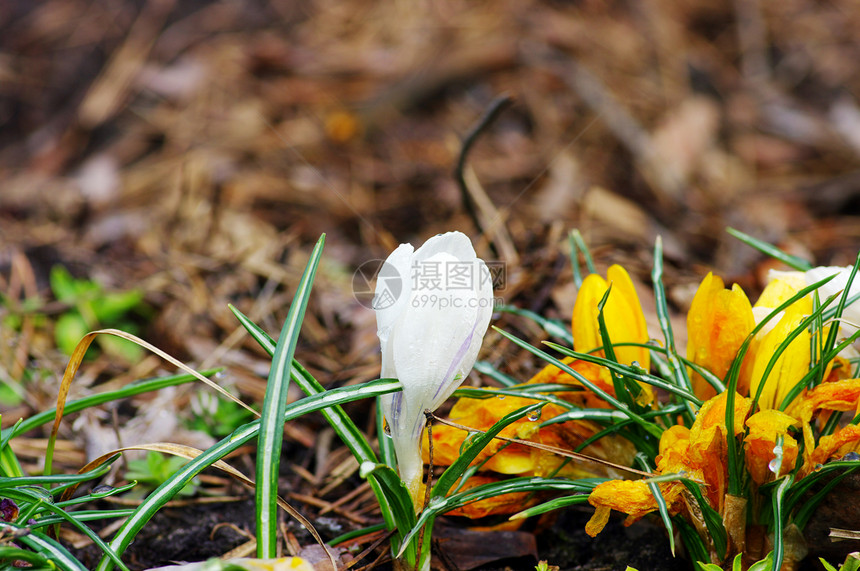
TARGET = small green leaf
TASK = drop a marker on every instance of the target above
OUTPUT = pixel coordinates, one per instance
(68, 330)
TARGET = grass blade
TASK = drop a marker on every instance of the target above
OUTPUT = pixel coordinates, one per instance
(577, 239)
(28, 496)
(649, 427)
(679, 371)
(239, 438)
(485, 368)
(771, 250)
(553, 327)
(271, 435)
(450, 476)
(398, 498)
(780, 521)
(345, 428)
(58, 554)
(551, 505)
(135, 388)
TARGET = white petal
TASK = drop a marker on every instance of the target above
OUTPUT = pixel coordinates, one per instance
(837, 285)
(393, 285)
(454, 244)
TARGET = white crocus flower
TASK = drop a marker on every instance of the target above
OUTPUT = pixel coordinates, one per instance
(433, 306)
(851, 314)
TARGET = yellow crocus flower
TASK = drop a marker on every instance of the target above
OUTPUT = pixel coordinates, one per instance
(622, 312)
(793, 364)
(718, 322)
(765, 427)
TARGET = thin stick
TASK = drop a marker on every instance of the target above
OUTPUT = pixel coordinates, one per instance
(498, 105)
(370, 548)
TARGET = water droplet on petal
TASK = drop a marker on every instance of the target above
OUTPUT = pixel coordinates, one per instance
(774, 465)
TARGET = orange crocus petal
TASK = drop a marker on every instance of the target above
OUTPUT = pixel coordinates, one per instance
(503, 504)
(482, 414)
(765, 427)
(629, 496)
(674, 454)
(836, 445)
(632, 497)
(675, 451)
(598, 521)
(838, 369)
(839, 395)
(791, 365)
(708, 447)
(718, 322)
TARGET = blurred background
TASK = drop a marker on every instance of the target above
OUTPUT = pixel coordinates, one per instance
(170, 157)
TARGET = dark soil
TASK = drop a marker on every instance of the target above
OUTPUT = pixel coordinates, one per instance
(193, 532)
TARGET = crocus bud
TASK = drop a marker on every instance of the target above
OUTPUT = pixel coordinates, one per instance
(851, 315)
(433, 306)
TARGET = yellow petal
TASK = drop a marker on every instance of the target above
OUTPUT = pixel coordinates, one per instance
(598, 521)
(839, 395)
(625, 318)
(792, 364)
(708, 443)
(586, 335)
(781, 290)
(622, 312)
(765, 427)
(632, 497)
(718, 322)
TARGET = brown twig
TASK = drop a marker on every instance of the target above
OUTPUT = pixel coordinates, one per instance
(474, 198)
(371, 547)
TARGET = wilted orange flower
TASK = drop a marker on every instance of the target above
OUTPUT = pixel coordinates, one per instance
(632, 497)
(502, 504)
(509, 458)
(482, 414)
(718, 322)
(843, 395)
(622, 312)
(836, 445)
(765, 427)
